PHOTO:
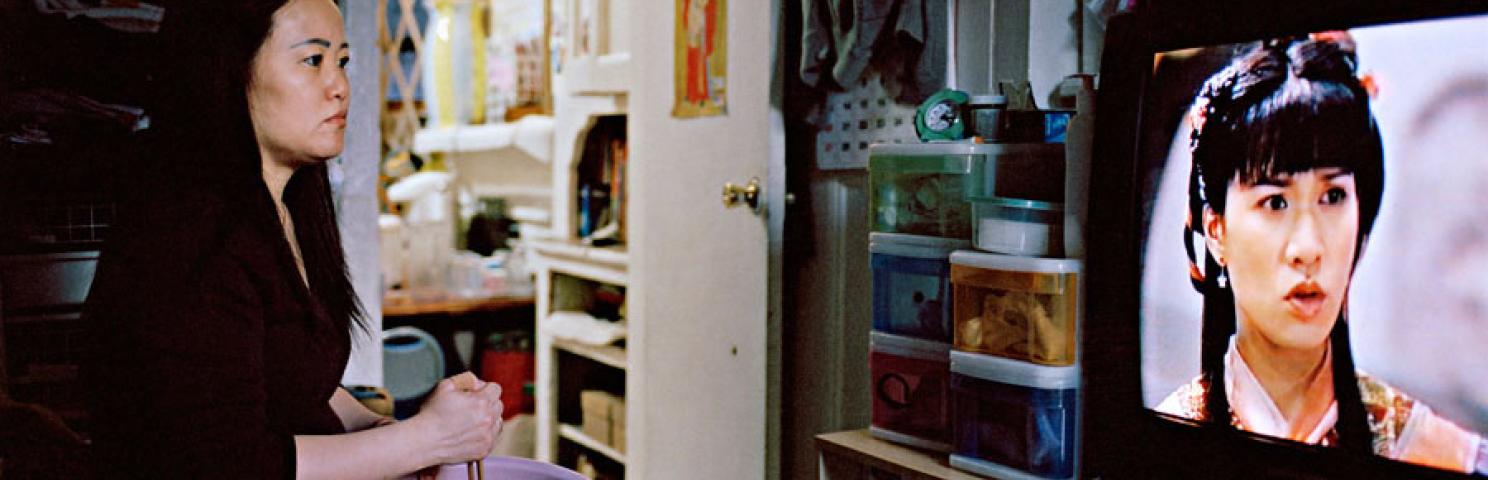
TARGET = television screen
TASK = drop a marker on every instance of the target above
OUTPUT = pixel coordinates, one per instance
(1315, 239)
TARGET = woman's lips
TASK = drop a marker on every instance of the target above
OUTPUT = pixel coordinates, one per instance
(1306, 299)
(337, 119)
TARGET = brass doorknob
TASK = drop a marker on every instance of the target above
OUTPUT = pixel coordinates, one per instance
(749, 193)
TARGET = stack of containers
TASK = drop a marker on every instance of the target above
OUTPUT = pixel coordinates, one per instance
(1014, 367)
(1002, 396)
(1014, 373)
(920, 214)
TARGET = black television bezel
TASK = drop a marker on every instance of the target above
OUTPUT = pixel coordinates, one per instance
(1121, 438)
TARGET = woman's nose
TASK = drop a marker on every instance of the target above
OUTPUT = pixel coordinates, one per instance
(1304, 246)
(340, 87)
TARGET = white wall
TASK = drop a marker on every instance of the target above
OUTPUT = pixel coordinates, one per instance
(1035, 40)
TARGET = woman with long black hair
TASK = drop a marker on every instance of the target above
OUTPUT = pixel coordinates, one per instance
(222, 307)
(1286, 182)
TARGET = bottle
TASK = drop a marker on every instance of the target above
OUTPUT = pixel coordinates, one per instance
(1077, 150)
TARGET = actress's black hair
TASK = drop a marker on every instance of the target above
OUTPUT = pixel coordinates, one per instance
(1284, 106)
(207, 141)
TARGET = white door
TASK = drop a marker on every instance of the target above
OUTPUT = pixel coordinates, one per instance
(704, 349)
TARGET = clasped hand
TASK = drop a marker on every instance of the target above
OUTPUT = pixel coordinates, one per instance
(461, 418)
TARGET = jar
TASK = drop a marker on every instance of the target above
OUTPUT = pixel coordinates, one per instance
(985, 113)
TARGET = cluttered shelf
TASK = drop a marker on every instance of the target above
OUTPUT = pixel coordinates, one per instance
(576, 434)
(430, 302)
(611, 355)
(845, 454)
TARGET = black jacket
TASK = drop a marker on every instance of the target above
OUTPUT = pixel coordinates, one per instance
(211, 353)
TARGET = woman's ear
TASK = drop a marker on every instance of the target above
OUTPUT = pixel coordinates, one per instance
(1214, 234)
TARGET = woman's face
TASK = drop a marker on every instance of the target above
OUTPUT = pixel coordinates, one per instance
(1288, 243)
(298, 95)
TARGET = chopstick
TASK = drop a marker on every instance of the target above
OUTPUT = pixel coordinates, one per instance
(474, 470)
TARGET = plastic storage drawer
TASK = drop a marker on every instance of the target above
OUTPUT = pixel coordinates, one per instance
(1017, 197)
(921, 189)
(911, 284)
(911, 391)
(1019, 227)
(1014, 419)
(1017, 307)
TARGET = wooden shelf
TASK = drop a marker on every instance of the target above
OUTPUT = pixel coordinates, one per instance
(575, 434)
(607, 354)
(858, 447)
(403, 303)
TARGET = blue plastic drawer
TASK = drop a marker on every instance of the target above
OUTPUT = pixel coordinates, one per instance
(1018, 415)
(911, 285)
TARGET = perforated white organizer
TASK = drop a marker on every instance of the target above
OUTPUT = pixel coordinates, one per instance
(861, 116)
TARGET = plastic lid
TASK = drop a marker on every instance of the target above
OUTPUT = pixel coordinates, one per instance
(1019, 203)
(912, 149)
(988, 100)
(1014, 263)
(1015, 372)
(917, 246)
(910, 347)
(1027, 148)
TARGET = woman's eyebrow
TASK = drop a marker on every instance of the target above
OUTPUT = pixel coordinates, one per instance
(1273, 181)
(314, 41)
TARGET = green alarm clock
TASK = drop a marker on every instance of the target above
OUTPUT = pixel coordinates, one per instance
(941, 117)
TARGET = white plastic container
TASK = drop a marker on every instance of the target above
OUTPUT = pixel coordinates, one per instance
(1019, 227)
(1017, 196)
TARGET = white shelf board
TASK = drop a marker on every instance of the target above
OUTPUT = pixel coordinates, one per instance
(603, 264)
(532, 134)
(614, 256)
(576, 434)
(588, 270)
(607, 354)
(598, 75)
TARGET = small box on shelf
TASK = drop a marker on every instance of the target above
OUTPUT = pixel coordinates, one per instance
(617, 424)
(602, 412)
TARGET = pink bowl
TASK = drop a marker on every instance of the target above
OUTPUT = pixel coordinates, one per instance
(507, 468)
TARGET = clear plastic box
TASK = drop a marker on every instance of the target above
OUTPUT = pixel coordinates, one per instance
(921, 189)
(911, 284)
(1017, 195)
(1013, 419)
(911, 391)
(1019, 227)
(1023, 308)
